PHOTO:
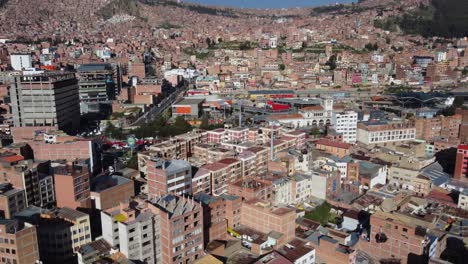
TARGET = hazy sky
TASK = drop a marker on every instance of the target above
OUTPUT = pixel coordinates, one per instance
(269, 3)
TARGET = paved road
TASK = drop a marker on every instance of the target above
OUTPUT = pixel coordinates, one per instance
(159, 108)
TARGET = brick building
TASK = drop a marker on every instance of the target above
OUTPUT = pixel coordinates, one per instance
(19, 242)
(109, 190)
(72, 185)
(260, 215)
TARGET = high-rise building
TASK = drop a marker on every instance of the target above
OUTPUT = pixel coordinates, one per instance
(72, 186)
(346, 123)
(18, 242)
(461, 164)
(46, 99)
(96, 87)
(181, 228)
(173, 176)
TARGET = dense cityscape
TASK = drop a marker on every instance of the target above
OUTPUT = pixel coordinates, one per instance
(161, 131)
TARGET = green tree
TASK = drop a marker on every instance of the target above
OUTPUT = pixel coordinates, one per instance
(205, 124)
(320, 213)
(112, 131)
(282, 67)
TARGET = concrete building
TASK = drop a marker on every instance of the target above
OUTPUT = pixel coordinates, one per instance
(72, 185)
(345, 123)
(461, 164)
(402, 177)
(12, 200)
(19, 242)
(463, 200)
(189, 108)
(109, 190)
(383, 133)
(134, 230)
(172, 176)
(96, 87)
(46, 99)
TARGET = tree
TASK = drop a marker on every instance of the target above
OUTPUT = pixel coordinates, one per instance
(282, 67)
(315, 131)
(320, 213)
(113, 132)
(332, 62)
(205, 122)
(465, 71)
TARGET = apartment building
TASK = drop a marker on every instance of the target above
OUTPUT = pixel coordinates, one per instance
(439, 126)
(248, 164)
(214, 217)
(12, 200)
(461, 163)
(32, 177)
(222, 173)
(345, 123)
(201, 181)
(385, 133)
(170, 149)
(298, 136)
(394, 235)
(133, 229)
(18, 242)
(262, 216)
(251, 187)
(172, 176)
(181, 228)
(61, 233)
(72, 185)
(45, 99)
(208, 153)
(262, 156)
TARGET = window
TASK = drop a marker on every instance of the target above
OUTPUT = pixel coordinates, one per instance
(405, 230)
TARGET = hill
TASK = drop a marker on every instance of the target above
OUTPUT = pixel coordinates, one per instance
(441, 18)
